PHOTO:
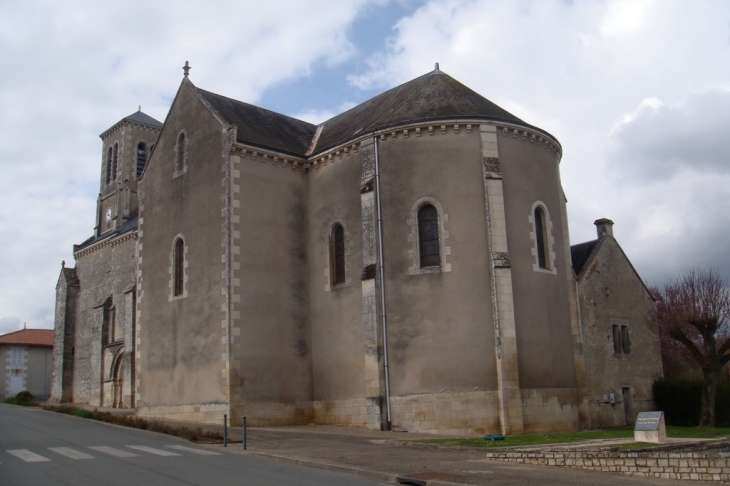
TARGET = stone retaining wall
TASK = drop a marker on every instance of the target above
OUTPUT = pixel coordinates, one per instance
(697, 466)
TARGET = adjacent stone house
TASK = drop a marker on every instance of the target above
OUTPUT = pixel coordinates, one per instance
(26, 359)
(404, 265)
(618, 323)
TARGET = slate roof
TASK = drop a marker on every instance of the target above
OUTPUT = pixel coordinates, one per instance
(261, 127)
(140, 117)
(580, 253)
(29, 337)
(126, 227)
(433, 96)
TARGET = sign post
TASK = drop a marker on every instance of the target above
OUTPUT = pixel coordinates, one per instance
(650, 427)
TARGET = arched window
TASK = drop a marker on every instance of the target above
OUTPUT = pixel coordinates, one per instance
(179, 268)
(141, 158)
(109, 165)
(337, 253)
(115, 159)
(428, 236)
(180, 163)
(540, 232)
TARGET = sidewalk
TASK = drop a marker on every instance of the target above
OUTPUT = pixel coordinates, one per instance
(385, 457)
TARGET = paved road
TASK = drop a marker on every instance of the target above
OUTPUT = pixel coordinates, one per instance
(42, 448)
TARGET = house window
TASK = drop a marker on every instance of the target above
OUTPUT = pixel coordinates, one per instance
(16, 358)
(337, 254)
(179, 268)
(141, 158)
(621, 339)
(109, 165)
(180, 162)
(428, 236)
(540, 237)
(115, 159)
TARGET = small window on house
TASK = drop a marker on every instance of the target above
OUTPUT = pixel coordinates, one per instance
(115, 159)
(540, 237)
(141, 158)
(179, 267)
(625, 340)
(428, 236)
(621, 339)
(180, 163)
(109, 165)
(337, 253)
(617, 347)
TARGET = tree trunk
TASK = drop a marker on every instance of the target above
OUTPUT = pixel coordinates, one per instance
(709, 392)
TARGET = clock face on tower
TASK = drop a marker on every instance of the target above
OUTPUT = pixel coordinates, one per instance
(108, 215)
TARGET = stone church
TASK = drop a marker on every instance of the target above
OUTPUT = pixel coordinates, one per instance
(404, 265)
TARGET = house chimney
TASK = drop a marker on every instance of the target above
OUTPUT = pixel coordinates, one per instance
(604, 227)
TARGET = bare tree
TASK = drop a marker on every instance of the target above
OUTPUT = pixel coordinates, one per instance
(694, 311)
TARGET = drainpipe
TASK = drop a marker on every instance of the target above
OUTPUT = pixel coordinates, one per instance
(382, 285)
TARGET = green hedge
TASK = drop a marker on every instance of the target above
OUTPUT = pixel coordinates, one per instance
(680, 401)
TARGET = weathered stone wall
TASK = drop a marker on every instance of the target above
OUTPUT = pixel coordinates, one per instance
(64, 329)
(693, 466)
(612, 293)
(106, 272)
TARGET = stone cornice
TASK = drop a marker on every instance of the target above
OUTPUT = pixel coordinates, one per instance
(110, 242)
(119, 125)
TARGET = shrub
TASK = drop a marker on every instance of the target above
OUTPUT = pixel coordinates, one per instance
(11, 401)
(80, 412)
(24, 398)
(680, 401)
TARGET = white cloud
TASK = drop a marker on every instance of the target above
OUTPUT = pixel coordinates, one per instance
(630, 88)
(318, 116)
(72, 69)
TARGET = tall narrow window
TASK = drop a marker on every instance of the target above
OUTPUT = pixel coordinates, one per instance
(338, 255)
(179, 267)
(115, 159)
(428, 236)
(180, 164)
(617, 347)
(141, 158)
(625, 340)
(540, 237)
(109, 165)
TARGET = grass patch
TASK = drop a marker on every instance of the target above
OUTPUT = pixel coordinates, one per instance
(191, 434)
(565, 438)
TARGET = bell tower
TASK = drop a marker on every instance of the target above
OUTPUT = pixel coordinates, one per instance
(126, 149)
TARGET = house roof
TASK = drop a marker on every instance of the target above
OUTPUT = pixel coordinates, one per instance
(433, 96)
(126, 227)
(29, 337)
(136, 117)
(141, 117)
(261, 127)
(580, 253)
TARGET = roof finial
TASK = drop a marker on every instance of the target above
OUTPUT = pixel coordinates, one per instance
(437, 67)
(186, 69)
(25, 325)
(140, 108)
(63, 263)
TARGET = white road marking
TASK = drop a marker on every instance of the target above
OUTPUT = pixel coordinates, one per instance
(151, 450)
(71, 453)
(27, 456)
(113, 452)
(202, 452)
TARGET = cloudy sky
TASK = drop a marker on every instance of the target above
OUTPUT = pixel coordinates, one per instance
(638, 93)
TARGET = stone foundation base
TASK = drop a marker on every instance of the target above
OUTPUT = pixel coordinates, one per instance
(550, 410)
(351, 413)
(266, 414)
(210, 413)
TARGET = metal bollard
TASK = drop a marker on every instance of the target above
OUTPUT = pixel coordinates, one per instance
(244, 432)
(225, 430)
